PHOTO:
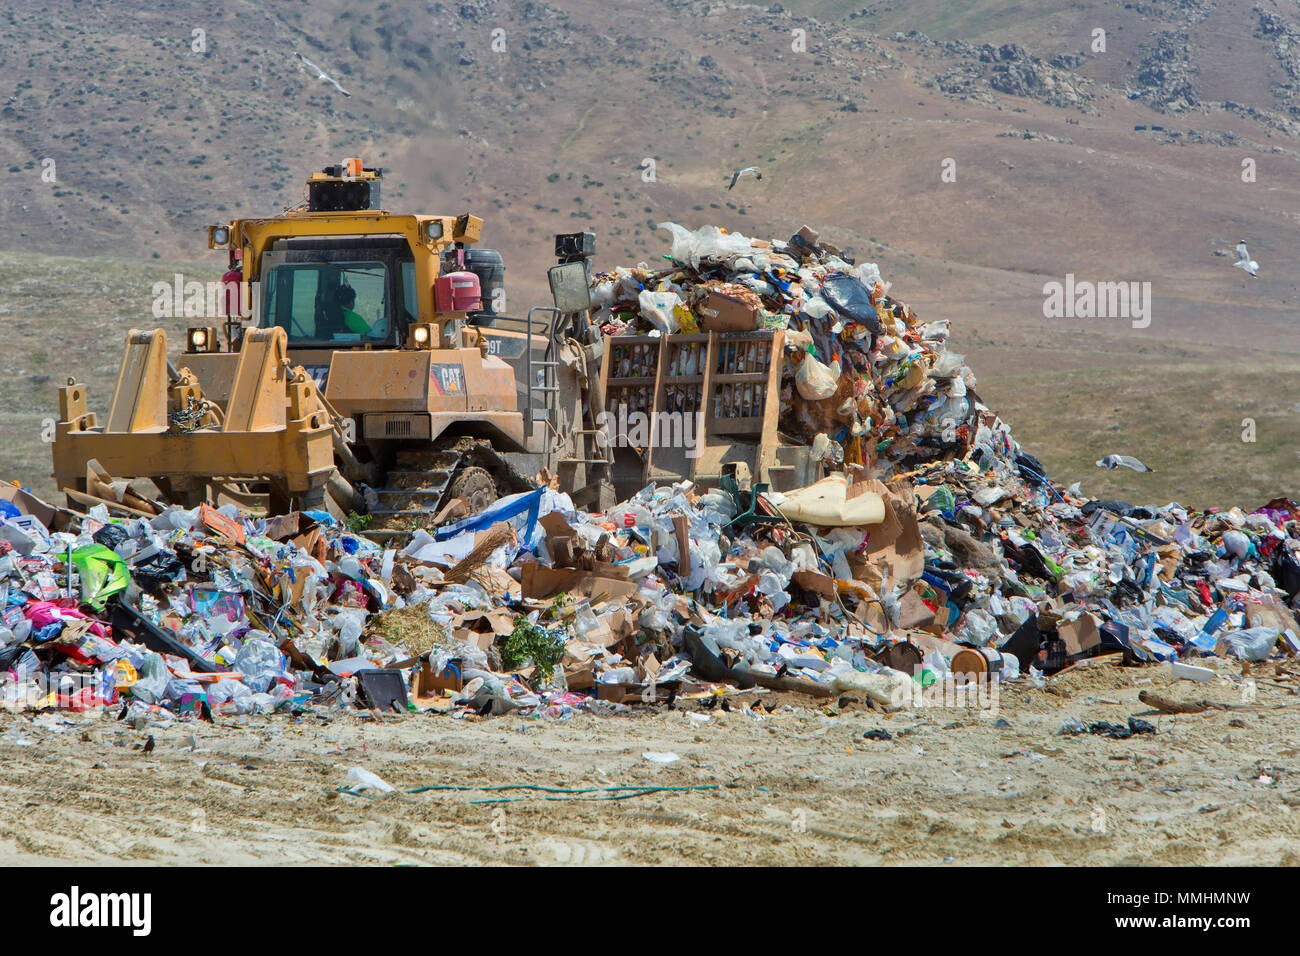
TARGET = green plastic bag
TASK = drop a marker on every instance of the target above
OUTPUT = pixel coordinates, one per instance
(103, 574)
(943, 499)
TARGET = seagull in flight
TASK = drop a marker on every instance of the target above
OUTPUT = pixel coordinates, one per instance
(1111, 462)
(1244, 261)
(735, 176)
(321, 73)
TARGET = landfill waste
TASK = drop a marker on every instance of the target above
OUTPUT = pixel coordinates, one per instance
(1120, 731)
(936, 550)
(362, 779)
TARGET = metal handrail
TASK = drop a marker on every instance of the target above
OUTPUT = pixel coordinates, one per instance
(548, 356)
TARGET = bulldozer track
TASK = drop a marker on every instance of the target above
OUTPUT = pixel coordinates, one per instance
(416, 487)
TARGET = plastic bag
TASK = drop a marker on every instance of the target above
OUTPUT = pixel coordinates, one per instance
(361, 779)
(887, 686)
(260, 661)
(1252, 644)
(978, 628)
(1236, 544)
(852, 300)
(816, 381)
(658, 308)
(708, 242)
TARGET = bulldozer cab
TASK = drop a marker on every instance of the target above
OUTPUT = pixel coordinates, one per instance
(339, 293)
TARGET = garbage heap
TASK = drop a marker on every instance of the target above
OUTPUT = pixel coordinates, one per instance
(865, 381)
(934, 552)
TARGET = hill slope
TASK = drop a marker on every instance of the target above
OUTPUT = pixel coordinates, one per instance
(539, 116)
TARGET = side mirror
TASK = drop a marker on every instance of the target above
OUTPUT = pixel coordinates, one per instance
(569, 287)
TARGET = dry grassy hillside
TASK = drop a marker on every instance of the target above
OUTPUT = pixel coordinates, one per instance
(152, 139)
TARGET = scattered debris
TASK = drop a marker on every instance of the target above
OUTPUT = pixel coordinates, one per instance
(930, 553)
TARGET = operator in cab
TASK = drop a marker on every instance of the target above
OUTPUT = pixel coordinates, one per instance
(347, 298)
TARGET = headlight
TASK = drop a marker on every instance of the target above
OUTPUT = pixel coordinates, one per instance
(423, 335)
(433, 230)
(218, 236)
(202, 339)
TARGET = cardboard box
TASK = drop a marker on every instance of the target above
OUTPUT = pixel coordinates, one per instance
(1081, 637)
(55, 519)
(718, 312)
(580, 676)
(632, 693)
(541, 583)
(618, 693)
(425, 683)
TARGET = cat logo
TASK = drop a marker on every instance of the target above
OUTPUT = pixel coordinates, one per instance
(448, 379)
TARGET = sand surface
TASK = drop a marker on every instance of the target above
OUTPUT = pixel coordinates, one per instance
(800, 785)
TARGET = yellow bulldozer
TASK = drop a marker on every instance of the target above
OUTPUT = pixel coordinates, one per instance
(363, 369)
(363, 363)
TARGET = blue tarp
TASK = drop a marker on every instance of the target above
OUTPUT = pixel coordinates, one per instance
(526, 504)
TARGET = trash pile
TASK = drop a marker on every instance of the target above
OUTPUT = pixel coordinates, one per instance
(933, 551)
(865, 380)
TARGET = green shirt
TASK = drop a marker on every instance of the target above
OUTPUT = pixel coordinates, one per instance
(355, 322)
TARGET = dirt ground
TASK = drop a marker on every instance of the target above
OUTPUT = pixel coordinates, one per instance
(799, 785)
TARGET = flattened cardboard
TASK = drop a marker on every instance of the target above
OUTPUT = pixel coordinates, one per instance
(540, 583)
(496, 621)
(913, 611)
(1270, 614)
(822, 584)
(897, 542)
(681, 529)
(555, 526)
(283, 527)
(928, 642)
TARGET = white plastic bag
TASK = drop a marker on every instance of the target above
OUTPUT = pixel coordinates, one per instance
(361, 779)
(978, 627)
(1252, 644)
(657, 308)
(708, 242)
(816, 381)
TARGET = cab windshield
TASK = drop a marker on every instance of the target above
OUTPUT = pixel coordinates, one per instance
(330, 301)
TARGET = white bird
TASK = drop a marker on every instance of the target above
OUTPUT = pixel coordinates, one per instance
(321, 73)
(735, 176)
(1244, 261)
(1111, 462)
